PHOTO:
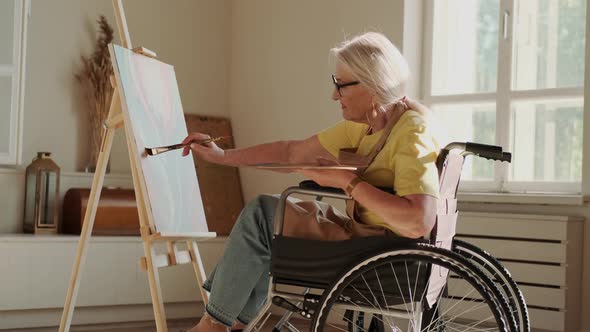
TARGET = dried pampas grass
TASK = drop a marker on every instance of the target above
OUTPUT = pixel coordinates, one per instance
(94, 78)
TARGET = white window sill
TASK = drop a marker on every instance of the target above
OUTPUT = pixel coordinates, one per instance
(522, 198)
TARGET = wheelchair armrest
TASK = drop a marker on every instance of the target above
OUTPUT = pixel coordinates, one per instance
(309, 184)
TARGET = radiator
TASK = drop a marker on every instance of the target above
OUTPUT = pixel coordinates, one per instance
(543, 254)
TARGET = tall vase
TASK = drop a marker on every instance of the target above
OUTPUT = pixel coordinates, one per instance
(95, 143)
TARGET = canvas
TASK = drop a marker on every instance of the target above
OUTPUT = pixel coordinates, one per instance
(153, 113)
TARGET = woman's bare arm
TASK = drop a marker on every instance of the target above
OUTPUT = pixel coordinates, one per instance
(294, 151)
(411, 216)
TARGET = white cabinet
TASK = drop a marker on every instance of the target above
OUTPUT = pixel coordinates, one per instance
(36, 271)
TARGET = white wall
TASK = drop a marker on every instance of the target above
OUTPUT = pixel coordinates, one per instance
(192, 35)
(281, 67)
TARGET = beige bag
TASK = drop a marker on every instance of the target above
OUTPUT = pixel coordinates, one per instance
(317, 220)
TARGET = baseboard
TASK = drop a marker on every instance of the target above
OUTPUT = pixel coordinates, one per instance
(95, 318)
(144, 325)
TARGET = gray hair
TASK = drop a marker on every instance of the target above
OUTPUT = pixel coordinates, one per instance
(377, 64)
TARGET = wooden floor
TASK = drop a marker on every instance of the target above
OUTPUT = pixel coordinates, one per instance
(183, 326)
(299, 323)
(302, 325)
(173, 326)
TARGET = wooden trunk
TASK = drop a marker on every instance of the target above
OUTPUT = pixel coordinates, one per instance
(116, 213)
(220, 186)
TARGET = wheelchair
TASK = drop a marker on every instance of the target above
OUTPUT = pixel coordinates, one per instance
(388, 283)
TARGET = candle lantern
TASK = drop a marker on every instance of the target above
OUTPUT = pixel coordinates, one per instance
(41, 195)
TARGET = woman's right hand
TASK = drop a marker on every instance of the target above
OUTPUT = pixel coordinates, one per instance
(208, 151)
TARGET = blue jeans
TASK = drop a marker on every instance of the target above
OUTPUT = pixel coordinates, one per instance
(239, 282)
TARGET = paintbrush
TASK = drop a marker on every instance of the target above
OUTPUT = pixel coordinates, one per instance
(162, 149)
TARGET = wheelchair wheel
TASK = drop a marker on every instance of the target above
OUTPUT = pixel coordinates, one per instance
(501, 276)
(358, 321)
(391, 292)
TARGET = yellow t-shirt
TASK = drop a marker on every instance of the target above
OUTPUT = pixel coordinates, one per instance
(407, 161)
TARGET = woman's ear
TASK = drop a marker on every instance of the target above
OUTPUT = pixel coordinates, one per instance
(374, 104)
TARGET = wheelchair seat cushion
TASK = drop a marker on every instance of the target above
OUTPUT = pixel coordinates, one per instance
(315, 264)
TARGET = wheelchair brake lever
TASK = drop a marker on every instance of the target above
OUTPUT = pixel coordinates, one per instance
(285, 304)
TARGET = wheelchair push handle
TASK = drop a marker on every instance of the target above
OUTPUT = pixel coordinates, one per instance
(492, 152)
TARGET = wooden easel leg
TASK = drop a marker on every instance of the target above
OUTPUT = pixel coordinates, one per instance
(97, 182)
(155, 291)
(149, 251)
(198, 267)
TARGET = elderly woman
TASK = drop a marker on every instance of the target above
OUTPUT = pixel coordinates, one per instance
(385, 130)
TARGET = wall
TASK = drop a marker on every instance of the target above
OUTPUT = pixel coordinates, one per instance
(280, 71)
(192, 35)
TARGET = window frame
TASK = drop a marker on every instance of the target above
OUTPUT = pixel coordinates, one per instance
(503, 98)
(16, 71)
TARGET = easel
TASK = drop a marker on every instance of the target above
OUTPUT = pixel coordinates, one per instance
(151, 261)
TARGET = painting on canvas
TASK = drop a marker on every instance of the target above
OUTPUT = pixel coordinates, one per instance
(153, 111)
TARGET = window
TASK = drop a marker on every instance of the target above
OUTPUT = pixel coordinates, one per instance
(510, 73)
(12, 51)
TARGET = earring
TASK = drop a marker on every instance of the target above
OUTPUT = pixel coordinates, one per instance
(374, 113)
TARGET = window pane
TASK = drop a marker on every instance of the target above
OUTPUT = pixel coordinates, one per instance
(468, 123)
(547, 141)
(549, 44)
(464, 46)
(6, 31)
(5, 108)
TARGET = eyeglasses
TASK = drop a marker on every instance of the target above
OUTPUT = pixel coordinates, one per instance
(339, 86)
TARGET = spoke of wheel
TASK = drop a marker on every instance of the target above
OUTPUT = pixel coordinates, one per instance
(417, 276)
(339, 328)
(416, 285)
(460, 328)
(344, 316)
(424, 291)
(467, 311)
(360, 308)
(367, 300)
(411, 296)
(384, 299)
(362, 295)
(438, 301)
(399, 287)
(453, 306)
(369, 288)
(474, 324)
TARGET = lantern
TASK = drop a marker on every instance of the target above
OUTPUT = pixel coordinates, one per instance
(41, 195)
